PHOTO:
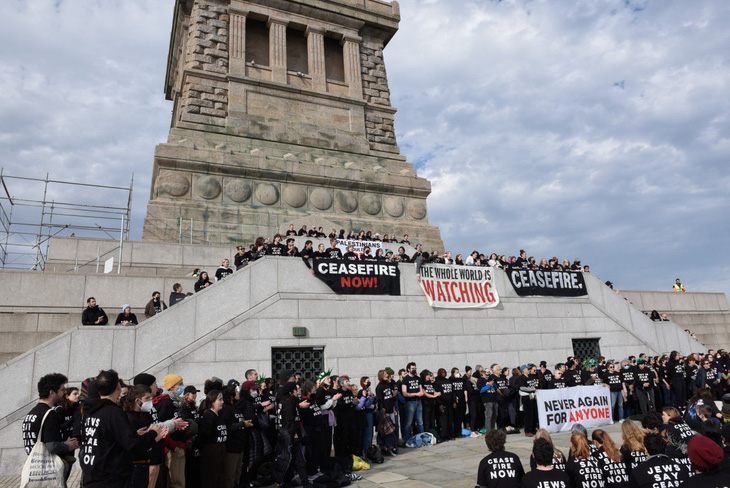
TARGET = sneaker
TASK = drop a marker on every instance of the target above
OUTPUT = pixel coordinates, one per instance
(529, 434)
(474, 434)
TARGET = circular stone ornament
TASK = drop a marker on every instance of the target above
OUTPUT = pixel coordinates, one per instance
(238, 190)
(208, 187)
(370, 204)
(347, 201)
(417, 210)
(175, 185)
(321, 199)
(295, 196)
(267, 194)
(394, 206)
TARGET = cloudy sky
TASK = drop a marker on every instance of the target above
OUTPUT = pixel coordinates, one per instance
(597, 129)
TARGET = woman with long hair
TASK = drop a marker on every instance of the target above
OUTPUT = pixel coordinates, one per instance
(558, 456)
(212, 436)
(387, 438)
(632, 450)
(203, 282)
(445, 404)
(138, 406)
(581, 467)
(610, 460)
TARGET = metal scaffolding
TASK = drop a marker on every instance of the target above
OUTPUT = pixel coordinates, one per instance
(27, 224)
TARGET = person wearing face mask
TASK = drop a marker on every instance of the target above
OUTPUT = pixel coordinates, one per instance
(461, 397)
(412, 391)
(327, 398)
(366, 400)
(189, 413)
(137, 406)
(212, 434)
(345, 434)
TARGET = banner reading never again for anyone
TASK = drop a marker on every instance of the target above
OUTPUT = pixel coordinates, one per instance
(547, 282)
(559, 409)
(358, 277)
(449, 286)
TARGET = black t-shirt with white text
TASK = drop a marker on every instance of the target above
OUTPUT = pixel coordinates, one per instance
(585, 473)
(500, 469)
(413, 386)
(32, 426)
(553, 478)
(658, 472)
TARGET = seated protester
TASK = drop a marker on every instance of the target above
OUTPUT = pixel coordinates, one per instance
(333, 252)
(504, 262)
(361, 236)
(583, 470)
(420, 256)
(655, 316)
(307, 254)
(277, 248)
(320, 233)
(558, 456)
(678, 435)
(203, 282)
(351, 236)
(521, 261)
(312, 232)
(320, 253)
(543, 264)
(366, 254)
(93, 314)
(291, 250)
(51, 391)
(644, 475)
(303, 231)
(393, 239)
(389, 258)
(458, 260)
(610, 460)
(501, 469)
(725, 431)
(341, 235)
(531, 264)
(405, 240)
(291, 232)
(703, 397)
(155, 305)
(177, 295)
(376, 237)
(402, 256)
(706, 457)
(544, 475)
(632, 449)
(380, 255)
(110, 445)
(576, 265)
(368, 236)
(241, 258)
(126, 317)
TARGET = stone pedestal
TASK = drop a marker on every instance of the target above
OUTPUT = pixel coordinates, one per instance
(255, 145)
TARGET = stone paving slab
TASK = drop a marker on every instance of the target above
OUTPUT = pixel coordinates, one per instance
(450, 464)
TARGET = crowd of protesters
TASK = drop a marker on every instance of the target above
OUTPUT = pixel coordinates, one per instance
(255, 432)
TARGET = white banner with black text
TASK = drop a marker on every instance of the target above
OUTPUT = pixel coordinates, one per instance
(559, 409)
(449, 286)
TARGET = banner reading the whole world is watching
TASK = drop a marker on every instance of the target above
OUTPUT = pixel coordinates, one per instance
(448, 286)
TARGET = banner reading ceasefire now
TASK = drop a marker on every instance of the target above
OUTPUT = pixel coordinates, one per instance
(448, 286)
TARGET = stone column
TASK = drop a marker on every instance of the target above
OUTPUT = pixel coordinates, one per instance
(315, 50)
(353, 76)
(277, 50)
(237, 49)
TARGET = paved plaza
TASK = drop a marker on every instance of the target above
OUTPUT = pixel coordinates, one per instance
(450, 464)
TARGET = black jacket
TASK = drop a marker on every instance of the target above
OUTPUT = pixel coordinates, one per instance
(91, 314)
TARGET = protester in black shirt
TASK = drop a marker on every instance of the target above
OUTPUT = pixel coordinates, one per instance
(51, 391)
(302, 231)
(445, 404)
(327, 399)
(277, 248)
(402, 256)
(345, 433)
(334, 252)
(224, 270)
(155, 305)
(137, 406)
(527, 384)
(291, 231)
(676, 379)
(232, 415)
(501, 469)
(610, 460)
(203, 282)
(412, 392)
(177, 294)
(545, 375)
(581, 467)
(289, 456)
(658, 470)
(241, 258)
(291, 250)
(126, 318)
(212, 436)
(558, 381)
(487, 386)
(461, 397)
(613, 379)
(93, 314)
(643, 386)
(474, 401)
(385, 399)
(308, 253)
(544, 475)
(428, 401)
(106, 453)
(350, 254)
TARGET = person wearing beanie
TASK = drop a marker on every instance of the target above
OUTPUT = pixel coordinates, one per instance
(146, 379)
(659, 464)
(126, 318)
(706, 457)
(168, 406)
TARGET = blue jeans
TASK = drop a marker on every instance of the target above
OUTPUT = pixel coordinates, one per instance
(368, 436)
(617, 398)
(414, 411)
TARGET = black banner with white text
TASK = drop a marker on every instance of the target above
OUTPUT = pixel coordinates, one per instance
(547, 282)
(359, 278)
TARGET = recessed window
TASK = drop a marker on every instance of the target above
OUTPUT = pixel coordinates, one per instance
(296, 51)
(257, 42)
(334, 62)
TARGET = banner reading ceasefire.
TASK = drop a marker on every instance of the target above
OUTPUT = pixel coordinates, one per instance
(358, 277)
(448, 286)
(547, 282)
(559, 409)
